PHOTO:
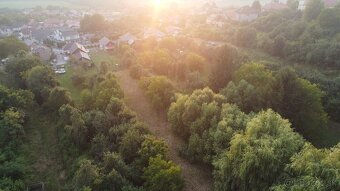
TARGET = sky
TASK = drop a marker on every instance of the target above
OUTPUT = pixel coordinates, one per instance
(70, 3)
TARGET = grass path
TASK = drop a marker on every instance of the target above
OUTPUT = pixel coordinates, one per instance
(197, 178)
(41, 150)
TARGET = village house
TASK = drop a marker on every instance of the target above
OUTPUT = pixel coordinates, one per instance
(74, 24)
(51, 22)
(275, 6)
(127, 38)
(173, 30)
(153, 33)
(106, 44)
(43, 52)
(77, 51)
(65, 35)
(243, 14)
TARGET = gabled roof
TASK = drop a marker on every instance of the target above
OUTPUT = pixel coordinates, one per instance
(41, 34)
(81, 55)
(43, 52)
(76, 46)
(104, 41)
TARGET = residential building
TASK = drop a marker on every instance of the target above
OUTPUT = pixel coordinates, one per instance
(106, 44)
(65, 35)
(246, 14)
(127, 38)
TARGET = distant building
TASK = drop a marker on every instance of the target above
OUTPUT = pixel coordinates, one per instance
(153, 33)
(65, 35)
(127, 38)
(77, 51)
(246, 14)
(274, 6)
(44, 52)
(106, 44)
(173, 30)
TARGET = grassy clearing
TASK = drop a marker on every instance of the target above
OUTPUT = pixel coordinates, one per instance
(65, 80)
(101, 56)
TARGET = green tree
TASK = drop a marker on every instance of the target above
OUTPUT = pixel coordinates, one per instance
(130, 144)
(18, 66)
(246, 37)
(85, 175)
(40, 80)
(312, 169)
(159, 90)
(313, 9)
(329, 20)
(11, 46)
(152, 147)
(257, 158)
(223, 68)
(162, 175)
(307, 115)
(194, 62)
(92, 23)
(12, 124)
(58, 97)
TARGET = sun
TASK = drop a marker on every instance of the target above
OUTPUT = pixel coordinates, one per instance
(157, 3)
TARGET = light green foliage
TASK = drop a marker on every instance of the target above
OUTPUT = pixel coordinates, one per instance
(313, 169)
(11, 124)
(159, 90)
(253, 90)
(162, 175)
(233, 121)
(152, 147)
(188, 109)
(256, 158)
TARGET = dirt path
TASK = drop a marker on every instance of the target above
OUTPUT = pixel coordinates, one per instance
(196, 178)
(42, 152)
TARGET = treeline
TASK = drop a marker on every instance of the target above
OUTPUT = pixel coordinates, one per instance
(309, 37)
(30, 83)
(102, 145)
(112, 149)
(255, 151)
